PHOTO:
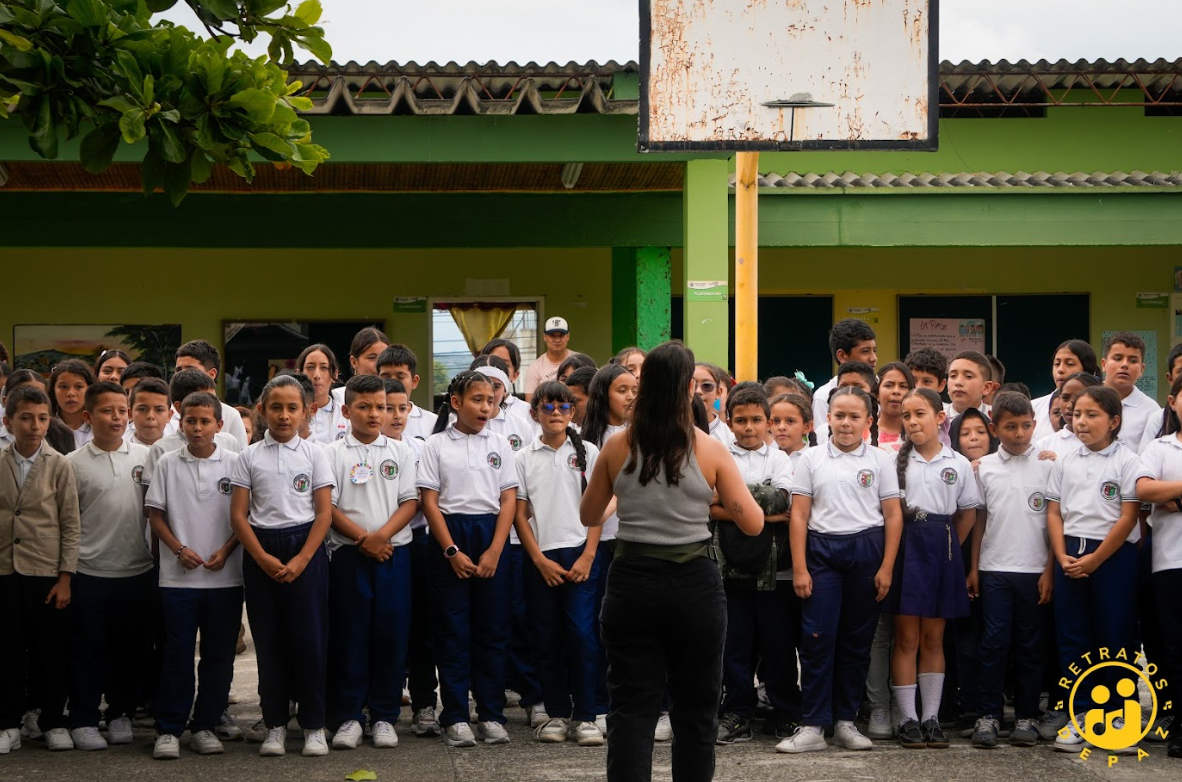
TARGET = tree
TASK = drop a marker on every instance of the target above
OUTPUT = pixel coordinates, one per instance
(108, 67)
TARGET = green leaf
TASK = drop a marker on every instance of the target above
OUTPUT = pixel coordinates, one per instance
(90, 13)
(211, 70)
(221, 9)
(135, 77)
(264, 7)
(300, 103)
(200, 165)
(156, 6)
(177, 177)
(15, 41)
(316, 44)
(149, 89)
(172, 115)
(98, 147)
(309, 11)
(5, 15)
(43, 138)
(152, 172)
(284, 115)
(259, 105)
(119, 103)
(171, 147)
(271, 146)
(361, 775)
(132, 125)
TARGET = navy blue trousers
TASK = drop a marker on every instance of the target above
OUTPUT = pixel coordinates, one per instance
(663, 623)
(1149, 625)
(216, 614)
(837, 623)
(523, 663)
(108, 642)
(562, 626)
(289, 623)
(369, 619)
(472, 619)
(1097, 611)
(761, 628)
(607, 552)
(41, 631)
(420, 654)
(1011, 619)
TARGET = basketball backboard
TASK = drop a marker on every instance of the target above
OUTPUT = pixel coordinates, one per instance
(838, 74)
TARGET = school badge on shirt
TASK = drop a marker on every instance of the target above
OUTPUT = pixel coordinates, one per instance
(224, 487)
(1037, 502)
(948, 475)
(494, 460)
(572, 461)
(301, 483)
(137, 473)
(1109, 490)
(865, 478)
(389, 469)
(515, 442)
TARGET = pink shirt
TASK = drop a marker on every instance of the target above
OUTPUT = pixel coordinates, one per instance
(542, 370)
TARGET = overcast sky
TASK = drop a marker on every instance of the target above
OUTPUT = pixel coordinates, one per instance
(562, 30)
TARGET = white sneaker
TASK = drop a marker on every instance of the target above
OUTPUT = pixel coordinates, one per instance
(315, 743)
(805, 739)
(227, 729)
(167, 747)
(88, 739)
(205, 742)
(537, 715)
(119, 731)
(459, 735)
(257, 732)
(30, 730)
(493, 733)
(601, 723)
(275, 744)
(587, 734)
(664, 731)
(554, 730)
(58, 740)
(880, 724)
(424, 722)
(10, 739)
(1068, 739)
(348, 736)
(846, 736)
(384, 736)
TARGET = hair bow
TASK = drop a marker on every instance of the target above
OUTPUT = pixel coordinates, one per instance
(800, 376)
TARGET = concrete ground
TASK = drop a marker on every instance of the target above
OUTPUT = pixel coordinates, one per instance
(525, 760)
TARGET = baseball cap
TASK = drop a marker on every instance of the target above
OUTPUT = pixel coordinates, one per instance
(556, 324)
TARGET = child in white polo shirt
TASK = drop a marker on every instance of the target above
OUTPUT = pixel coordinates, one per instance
(113, 588)
(468, 483)
(398, 362)
(200, 579)
(281, 510)
(374, 499)
(183, 383)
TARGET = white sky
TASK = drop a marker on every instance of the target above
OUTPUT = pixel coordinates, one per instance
(562, 30)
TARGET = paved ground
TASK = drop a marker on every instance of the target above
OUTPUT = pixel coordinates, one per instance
(525, 760)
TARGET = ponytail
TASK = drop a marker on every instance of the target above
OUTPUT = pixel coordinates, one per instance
(901, 460)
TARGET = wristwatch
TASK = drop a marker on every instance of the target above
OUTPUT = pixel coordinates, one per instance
(451, 551)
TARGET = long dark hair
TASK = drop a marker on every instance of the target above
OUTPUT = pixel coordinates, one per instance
(1084, 352)
(1169, 419)
(459, 386)
(70, 366)
(959, 422)
(552, 391)
(596, 416)
(662, 433)
(901, 459)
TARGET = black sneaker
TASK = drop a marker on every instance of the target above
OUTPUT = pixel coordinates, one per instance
(911, 735)
(732, 728)
(780, 728)
(985, 736)
(1174, 749)
(966, 725)
(933, 734)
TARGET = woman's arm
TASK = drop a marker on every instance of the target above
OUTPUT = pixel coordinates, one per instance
(593, 507)
(733, 494)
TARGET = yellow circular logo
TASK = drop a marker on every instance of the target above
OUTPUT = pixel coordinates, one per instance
(1113, 721)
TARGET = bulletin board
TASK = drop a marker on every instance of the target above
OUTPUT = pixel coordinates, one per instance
(948, 335)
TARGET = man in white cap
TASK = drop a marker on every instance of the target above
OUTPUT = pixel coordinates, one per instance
(545, 368)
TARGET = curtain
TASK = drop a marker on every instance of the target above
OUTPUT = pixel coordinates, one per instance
(480, 324)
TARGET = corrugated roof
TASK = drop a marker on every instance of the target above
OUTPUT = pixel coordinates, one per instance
(1001, 179)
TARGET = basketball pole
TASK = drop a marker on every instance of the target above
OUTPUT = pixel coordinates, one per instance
(747, 266)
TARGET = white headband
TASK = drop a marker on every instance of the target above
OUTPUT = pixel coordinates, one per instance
(488, 371)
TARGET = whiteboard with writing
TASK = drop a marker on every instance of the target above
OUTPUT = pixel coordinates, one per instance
(948, 335)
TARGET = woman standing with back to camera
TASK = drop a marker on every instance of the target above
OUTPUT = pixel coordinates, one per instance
(664, 616)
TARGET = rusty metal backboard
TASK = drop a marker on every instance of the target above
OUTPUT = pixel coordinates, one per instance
(847, 74)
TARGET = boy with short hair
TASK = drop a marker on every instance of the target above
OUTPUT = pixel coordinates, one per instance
(929, 367)
(137, 371)
(201, 355)
(185, 382)
(151, 411)
(39, 532)
(200, 579)
(850, 339)
(112, 590)
(1012, 571)
(857, 373)
(398, 362)
(1123, 364)
(969, 376)
(374, 500)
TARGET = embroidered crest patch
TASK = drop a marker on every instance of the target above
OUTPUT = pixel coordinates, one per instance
(389, 469)
(865, 478)
(494, 460)
(573, 461)
(224, 487)
(515, 442)
(1037, 502)
(948, 475)
(1110, 490)
(137, 473)
(301, 483)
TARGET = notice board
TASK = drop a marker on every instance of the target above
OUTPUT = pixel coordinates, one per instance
(947, 335)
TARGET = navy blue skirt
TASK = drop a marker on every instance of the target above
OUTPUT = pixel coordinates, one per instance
(929, 578)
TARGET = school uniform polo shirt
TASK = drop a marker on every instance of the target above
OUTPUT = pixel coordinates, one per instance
(416, 446)
(24, 466)
(420, 423)
(552, 483)
(282, 478)
(942, 486)
(821, 410)
(194, 493)
(177, 442)
(371, 481)
(1091, 486)
(6, 437)
(231, 425)
(111, 506)
(847, 489)
(1061, 442)
(468, 470)
(82, 435)
(1013, 494)
(1139, 414)
(1162, 461)
(721, 432)
(1042, 417)
(329, 424)
(767, 465)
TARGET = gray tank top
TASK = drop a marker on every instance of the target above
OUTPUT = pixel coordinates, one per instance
(663, 515)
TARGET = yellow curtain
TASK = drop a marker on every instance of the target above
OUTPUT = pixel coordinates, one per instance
(480, 324)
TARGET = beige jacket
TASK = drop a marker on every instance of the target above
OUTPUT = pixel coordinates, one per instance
(39, 522)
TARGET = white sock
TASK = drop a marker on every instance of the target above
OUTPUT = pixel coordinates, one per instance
(905, 700)
(931, 689)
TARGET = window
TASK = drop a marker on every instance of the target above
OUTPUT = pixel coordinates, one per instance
(451, 350)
